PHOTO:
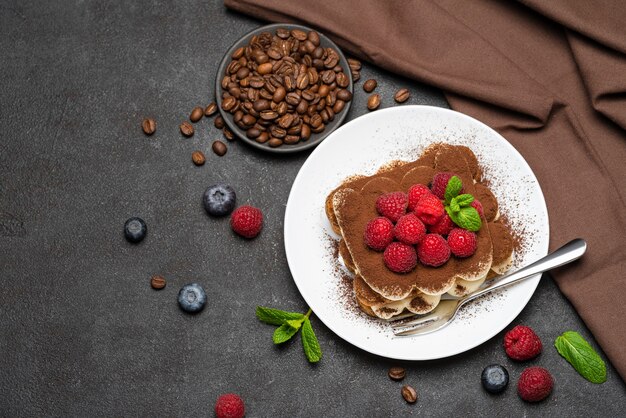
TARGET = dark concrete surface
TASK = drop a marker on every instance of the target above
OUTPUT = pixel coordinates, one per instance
(81, 331)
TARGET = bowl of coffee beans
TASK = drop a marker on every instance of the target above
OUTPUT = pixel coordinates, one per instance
(283, 88)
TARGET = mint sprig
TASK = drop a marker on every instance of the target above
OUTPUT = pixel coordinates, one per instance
(289, 325)
(459, 206)
(573, 347)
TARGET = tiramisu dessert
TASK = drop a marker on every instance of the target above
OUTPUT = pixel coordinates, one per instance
(417, 230)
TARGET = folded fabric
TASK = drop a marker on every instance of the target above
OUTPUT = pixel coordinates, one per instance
(549, 76)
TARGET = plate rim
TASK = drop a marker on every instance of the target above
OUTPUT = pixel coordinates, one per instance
(534, 280)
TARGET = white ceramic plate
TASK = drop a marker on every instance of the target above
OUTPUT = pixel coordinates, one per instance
(361, 147)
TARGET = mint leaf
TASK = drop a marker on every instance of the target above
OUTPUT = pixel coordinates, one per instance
(464, 199)
(467, 218)
(452, 189)
(275, 316)
(573, 347)
(311, 346)
(454, 206)
(295, 323)
(283, 333)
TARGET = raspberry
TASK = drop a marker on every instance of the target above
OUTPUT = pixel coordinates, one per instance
(247, 221)
(535, 384)
(229, 406)
(415, 194)
(429, 209)
(409, 229)
(478, 206)
(378, 233)
(439, 184)
(462, 242)
(521, 343)
(433, 250)
(400, 258)
(443, 227)
(392, 205)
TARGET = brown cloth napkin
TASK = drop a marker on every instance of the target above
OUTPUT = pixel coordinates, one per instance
(550, 76)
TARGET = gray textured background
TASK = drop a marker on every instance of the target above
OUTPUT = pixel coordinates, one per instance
(81, 331)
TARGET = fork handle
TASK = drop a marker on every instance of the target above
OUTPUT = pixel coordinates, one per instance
(569, 252)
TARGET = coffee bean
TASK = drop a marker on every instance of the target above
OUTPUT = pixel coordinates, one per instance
(265, 68)
(186, 129)
(198, 158)
(228, 134)
(219, 122)
(354, 64)
(338, 106)
(157, 282)
(344, 95)
(356, 76)
(305, 132)
(302, 81)
(279, 94)
(210, 109)
(396, 373)
(149, 126)
(409, 394)
(373, 102)
(263, 138)
(219, 148)
(314, 37)
(285, 121)
(196, 114)
(238, 53)
(275, 142)
(402, 95)
(268, 115)
(283, 33)
(291, 139)
(370, 85)
(342, 80)
(299, 35)
(253, 133)
(229, 103)
(248, 120)
(242, 73)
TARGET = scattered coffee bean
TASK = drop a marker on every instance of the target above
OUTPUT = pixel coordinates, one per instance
(409, 394)
(219, 122)
(356, 76)
(402, 95)
(149, 126)
(196, 114)
(198, 158)
(355, 64)
(219, 148)
(210, 109)
(228, 134)
(373, 102)
(157, 282)
(370, 85)
(396, 373)
(186, 129)
(135, 229)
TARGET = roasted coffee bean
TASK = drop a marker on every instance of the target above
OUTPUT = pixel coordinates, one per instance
(261, 105)
(302, 82)
(248, 120)
(338, 106)
(331, 113)
(266, 94)
(229, 103)
(238, 53)
(396, 373)
(298, 34)
(314, 37)
(277, 132)
(242, 73)
(285, 121)
(196, 114)
(257, 82)
(268, 115)
(320, 104)
(253, 95)
(274, 54)
(253, 133)
(402, 95)
(323, 90)
(219, 148)
(282, 108)
(210, 110)
(149, 126)
(325, 116)
(219, 122)
(342, 80)
(295, 129)
(283, 33)
(233, 67)
(316, 120)
(331, 61)
(279, 94)
(291, 139)
(198, 158)
(275, 142)
(244, 82)
(370, 85)
(344, 95)
(228, 134)
(157, 282)
(319, 128)
(264, 68)
(305, 132)
(261, 58)
(262, 138)
(373, 102)
(356, 76)
(293, 99)
(302, 107)
(225, 82)
(238, 116)
(186, 129)
(355, 64)
(409, 394)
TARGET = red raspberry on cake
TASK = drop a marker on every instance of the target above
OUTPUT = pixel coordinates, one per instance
(399, 257)
(462, 242)
(229, 406)
(429, 209)
(478, 206)
(409, 229)
(521, 343)
(433, 250)
(415, 194)
(443, 227)
(535, 384)
(247, 221)
(378, 233)
(439, 184)
(392, 205)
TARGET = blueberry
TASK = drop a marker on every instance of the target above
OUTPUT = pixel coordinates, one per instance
(219, 200)
(192, 298)
(494, 378)
(135, 229)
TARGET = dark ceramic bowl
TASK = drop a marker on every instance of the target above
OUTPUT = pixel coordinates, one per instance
(302, 145)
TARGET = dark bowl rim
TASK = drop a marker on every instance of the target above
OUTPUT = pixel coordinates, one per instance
(283, 149)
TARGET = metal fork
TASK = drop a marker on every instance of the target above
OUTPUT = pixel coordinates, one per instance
(446, 310)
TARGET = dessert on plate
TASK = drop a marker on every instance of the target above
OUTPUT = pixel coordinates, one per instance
(415, 231)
